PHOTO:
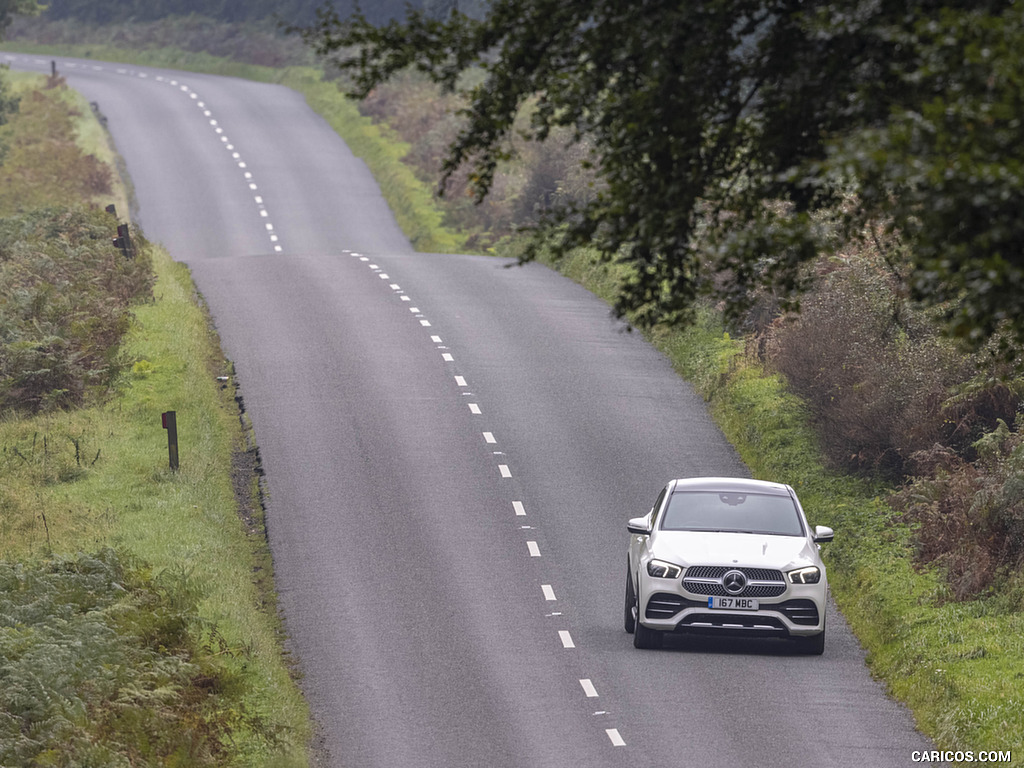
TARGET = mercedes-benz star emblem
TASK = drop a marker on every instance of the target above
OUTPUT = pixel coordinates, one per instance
(734, 582)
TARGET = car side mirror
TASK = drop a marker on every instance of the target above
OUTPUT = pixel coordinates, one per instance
(823, 533)
(639, 525)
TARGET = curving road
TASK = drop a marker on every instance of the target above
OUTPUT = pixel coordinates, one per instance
(452, 449)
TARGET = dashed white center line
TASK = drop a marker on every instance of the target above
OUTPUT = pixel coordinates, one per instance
(519, 508)
(394, 287)
(566, 638)
(425, 323)
(372, 266)
(405, 298)
(414, 309)
(588, 688)
(460, 381)
(505, 471)
(533, 548)
(474, 408)
(549, 592)
(447, 357)
(383, 276)
(488, 436)
(616, 739)
(436, 339)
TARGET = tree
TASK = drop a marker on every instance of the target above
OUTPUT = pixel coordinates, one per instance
(725, 132)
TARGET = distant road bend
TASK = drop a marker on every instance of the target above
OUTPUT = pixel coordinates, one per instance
(452, 451)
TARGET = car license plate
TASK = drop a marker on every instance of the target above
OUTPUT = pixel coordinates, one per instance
(733, 603)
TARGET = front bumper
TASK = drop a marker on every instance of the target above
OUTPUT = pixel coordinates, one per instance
(798, 612)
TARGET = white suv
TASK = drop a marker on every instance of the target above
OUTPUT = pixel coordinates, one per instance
(726, 555)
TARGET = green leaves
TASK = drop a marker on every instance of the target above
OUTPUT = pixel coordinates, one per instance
(719, 127)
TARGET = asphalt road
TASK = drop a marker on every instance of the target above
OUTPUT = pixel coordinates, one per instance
(452, 449)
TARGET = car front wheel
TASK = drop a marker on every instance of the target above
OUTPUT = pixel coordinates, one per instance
(813, 645)
(628, 618)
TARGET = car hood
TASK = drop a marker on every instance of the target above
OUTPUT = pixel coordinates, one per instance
(743, 549)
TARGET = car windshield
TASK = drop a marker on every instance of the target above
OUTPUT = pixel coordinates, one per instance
(732, 512)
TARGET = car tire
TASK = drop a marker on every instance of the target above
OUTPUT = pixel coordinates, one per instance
(813, 645)
(628, 618)
(647, 638)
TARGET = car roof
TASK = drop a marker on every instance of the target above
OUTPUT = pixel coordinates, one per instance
(729, 485)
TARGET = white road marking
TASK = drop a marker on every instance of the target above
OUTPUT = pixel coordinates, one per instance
(258, 199)
(534, 549)
(394, 286)
(447, 357)
(242, 165)
(505, 471)
(269, 226)
(613, 734)
(588, 688)
(549, 593)
(213, 122)
(405, 298)
(566, 638)
(436, 339)
(363, 258)
(207, 113)
(462, 382)
(273, 238)
(414, 309)
(277, 248)
(474, 408)
(425, 323)
(372, 266)
(264, 214)
(519, 508)
(488, 436)
(253, 187)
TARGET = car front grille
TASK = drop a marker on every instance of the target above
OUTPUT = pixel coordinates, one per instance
(707, 580)
(718, 571)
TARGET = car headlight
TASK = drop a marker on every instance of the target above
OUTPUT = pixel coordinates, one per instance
(659, 569)
(809, 575)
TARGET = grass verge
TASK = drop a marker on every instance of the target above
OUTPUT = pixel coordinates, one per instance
(137, 624)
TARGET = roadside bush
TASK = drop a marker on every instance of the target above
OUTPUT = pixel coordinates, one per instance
(65, 296)
(969, 516)
(880, 382)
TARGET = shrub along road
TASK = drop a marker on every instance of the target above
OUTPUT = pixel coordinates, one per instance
(452, 449)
